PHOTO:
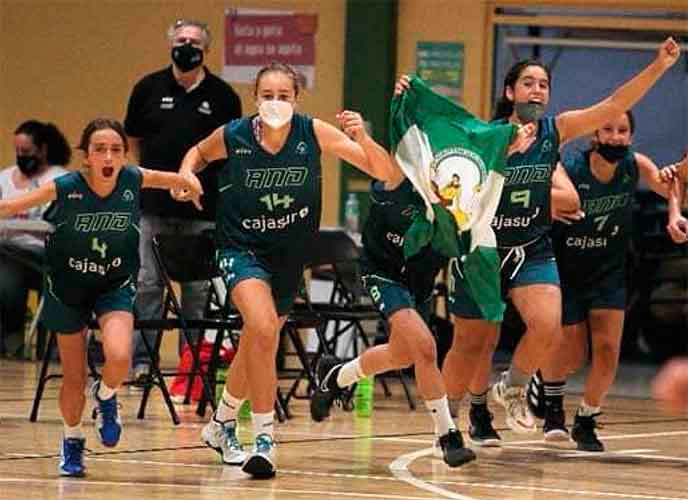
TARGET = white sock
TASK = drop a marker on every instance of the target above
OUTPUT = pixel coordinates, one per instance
(439, 411)
(350, 373)
(585, 410)
(105, 392)
(74, 432)
(263, 424)
(228, 408)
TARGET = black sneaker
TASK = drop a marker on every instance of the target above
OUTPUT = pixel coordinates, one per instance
(583, 433)
(327, 389)
(554, 427)
(535, 395)
(480, 430)
(452, 450)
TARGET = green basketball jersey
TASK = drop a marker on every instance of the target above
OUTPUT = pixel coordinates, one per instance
(524, 208)
(596, 245)
(391, 214)
(269, 204)
(95, 245)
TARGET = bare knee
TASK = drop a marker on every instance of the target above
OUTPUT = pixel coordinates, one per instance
(74, 383)
(469, 343)
(425, 351)
(263, 331)
(607, 354)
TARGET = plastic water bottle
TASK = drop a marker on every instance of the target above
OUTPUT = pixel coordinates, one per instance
(363, 397)
(351, 214)
(220, 379)
(245, 411)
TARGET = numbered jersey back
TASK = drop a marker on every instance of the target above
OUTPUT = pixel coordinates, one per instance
(95, 246)
(269, 203)
(598, 243)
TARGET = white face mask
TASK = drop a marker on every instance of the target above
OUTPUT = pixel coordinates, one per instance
(274, 113)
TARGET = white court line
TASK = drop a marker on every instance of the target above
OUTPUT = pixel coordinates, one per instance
(579, 454)
(270, 491)
(400, 470)
(399, 467)
(397, 477)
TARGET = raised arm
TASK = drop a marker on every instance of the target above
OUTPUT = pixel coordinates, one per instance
(40, 196)
(357, 147)
(575, 123)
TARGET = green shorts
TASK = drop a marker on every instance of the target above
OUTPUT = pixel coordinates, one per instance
(61, 317)
(284, 279)
(390, 296)
(533, 265)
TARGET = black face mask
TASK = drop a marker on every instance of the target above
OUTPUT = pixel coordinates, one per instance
(187, 57)
(529, 112)
(28, 165)
(612, 152)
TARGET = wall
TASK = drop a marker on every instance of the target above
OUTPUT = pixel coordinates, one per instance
(460, 21)
(68, 61)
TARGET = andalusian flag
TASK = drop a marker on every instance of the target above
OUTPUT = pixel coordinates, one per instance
(456, 162)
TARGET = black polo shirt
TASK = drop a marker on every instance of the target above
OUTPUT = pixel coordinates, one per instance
(168, 120)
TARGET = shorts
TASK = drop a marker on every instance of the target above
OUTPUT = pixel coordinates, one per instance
(578, 301)
(532, 264)
(390, 296)
(284, 279)
(63, 318)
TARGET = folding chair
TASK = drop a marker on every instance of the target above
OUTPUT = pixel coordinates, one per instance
(335, 258)
(185, 258)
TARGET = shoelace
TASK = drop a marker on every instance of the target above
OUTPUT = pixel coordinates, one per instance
(263, 444)
(72, 452)
(230, 434)
(108, 409)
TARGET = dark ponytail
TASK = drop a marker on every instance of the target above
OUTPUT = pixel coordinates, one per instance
(48, 135)
(505, 107)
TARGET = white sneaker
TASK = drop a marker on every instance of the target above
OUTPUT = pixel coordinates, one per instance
(513, 399)
(222, 438)
(261, 462)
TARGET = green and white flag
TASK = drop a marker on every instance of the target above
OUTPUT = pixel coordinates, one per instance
(456, 162)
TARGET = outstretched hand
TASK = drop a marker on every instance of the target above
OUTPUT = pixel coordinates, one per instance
(189, 189)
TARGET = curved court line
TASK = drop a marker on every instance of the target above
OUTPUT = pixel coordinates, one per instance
(400, 470)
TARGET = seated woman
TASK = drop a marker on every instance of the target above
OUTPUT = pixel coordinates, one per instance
(42, 151)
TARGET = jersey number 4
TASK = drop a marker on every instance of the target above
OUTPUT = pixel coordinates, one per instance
(99, 247)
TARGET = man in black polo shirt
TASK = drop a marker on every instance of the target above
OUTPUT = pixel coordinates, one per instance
(169, 111)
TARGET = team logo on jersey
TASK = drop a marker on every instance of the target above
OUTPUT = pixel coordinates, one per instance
(546, 146)
(301, 148)
(75, 195)
(167, 103)
(457, 176)
(584, 186)
(205, 108)
(264, 178)
(243, 152)
(128, 195)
